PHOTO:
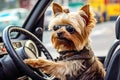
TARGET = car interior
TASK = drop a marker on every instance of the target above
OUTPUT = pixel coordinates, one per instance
(27, 43)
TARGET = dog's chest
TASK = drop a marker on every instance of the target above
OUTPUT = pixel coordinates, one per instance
(77, 62)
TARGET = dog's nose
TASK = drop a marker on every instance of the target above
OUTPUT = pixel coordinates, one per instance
(59, 34)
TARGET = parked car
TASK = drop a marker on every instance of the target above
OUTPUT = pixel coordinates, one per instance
(12, 17)
(28, 43)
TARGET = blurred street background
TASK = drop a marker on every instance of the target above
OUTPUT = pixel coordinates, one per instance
(104, 9)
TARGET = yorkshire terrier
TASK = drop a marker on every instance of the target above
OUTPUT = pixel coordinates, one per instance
(71, 39)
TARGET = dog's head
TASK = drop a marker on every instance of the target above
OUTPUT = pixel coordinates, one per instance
(71, 30)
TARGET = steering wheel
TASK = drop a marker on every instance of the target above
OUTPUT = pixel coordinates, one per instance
(17, 59)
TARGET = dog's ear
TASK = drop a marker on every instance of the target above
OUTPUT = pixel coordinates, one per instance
(87, 14)
(88, 17)
(57, 8)
(86, 9)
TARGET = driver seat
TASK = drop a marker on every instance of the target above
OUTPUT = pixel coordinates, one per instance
(112, 61)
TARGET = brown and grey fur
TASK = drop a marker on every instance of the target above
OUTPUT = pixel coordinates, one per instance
(83, 22)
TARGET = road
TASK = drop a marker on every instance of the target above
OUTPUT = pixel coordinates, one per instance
(102, 38)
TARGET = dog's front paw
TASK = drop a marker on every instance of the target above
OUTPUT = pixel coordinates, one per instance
(35, 63)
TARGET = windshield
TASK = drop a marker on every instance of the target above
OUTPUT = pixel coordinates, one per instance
(14, 12)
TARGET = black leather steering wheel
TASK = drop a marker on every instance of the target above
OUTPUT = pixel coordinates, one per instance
(17, 59)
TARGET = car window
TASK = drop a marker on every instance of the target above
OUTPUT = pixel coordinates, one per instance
(14, 12)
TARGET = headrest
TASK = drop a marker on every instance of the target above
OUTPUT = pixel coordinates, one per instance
(117, 28)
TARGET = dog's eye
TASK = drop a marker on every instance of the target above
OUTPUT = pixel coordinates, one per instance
(56, 27)
(70, 29)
